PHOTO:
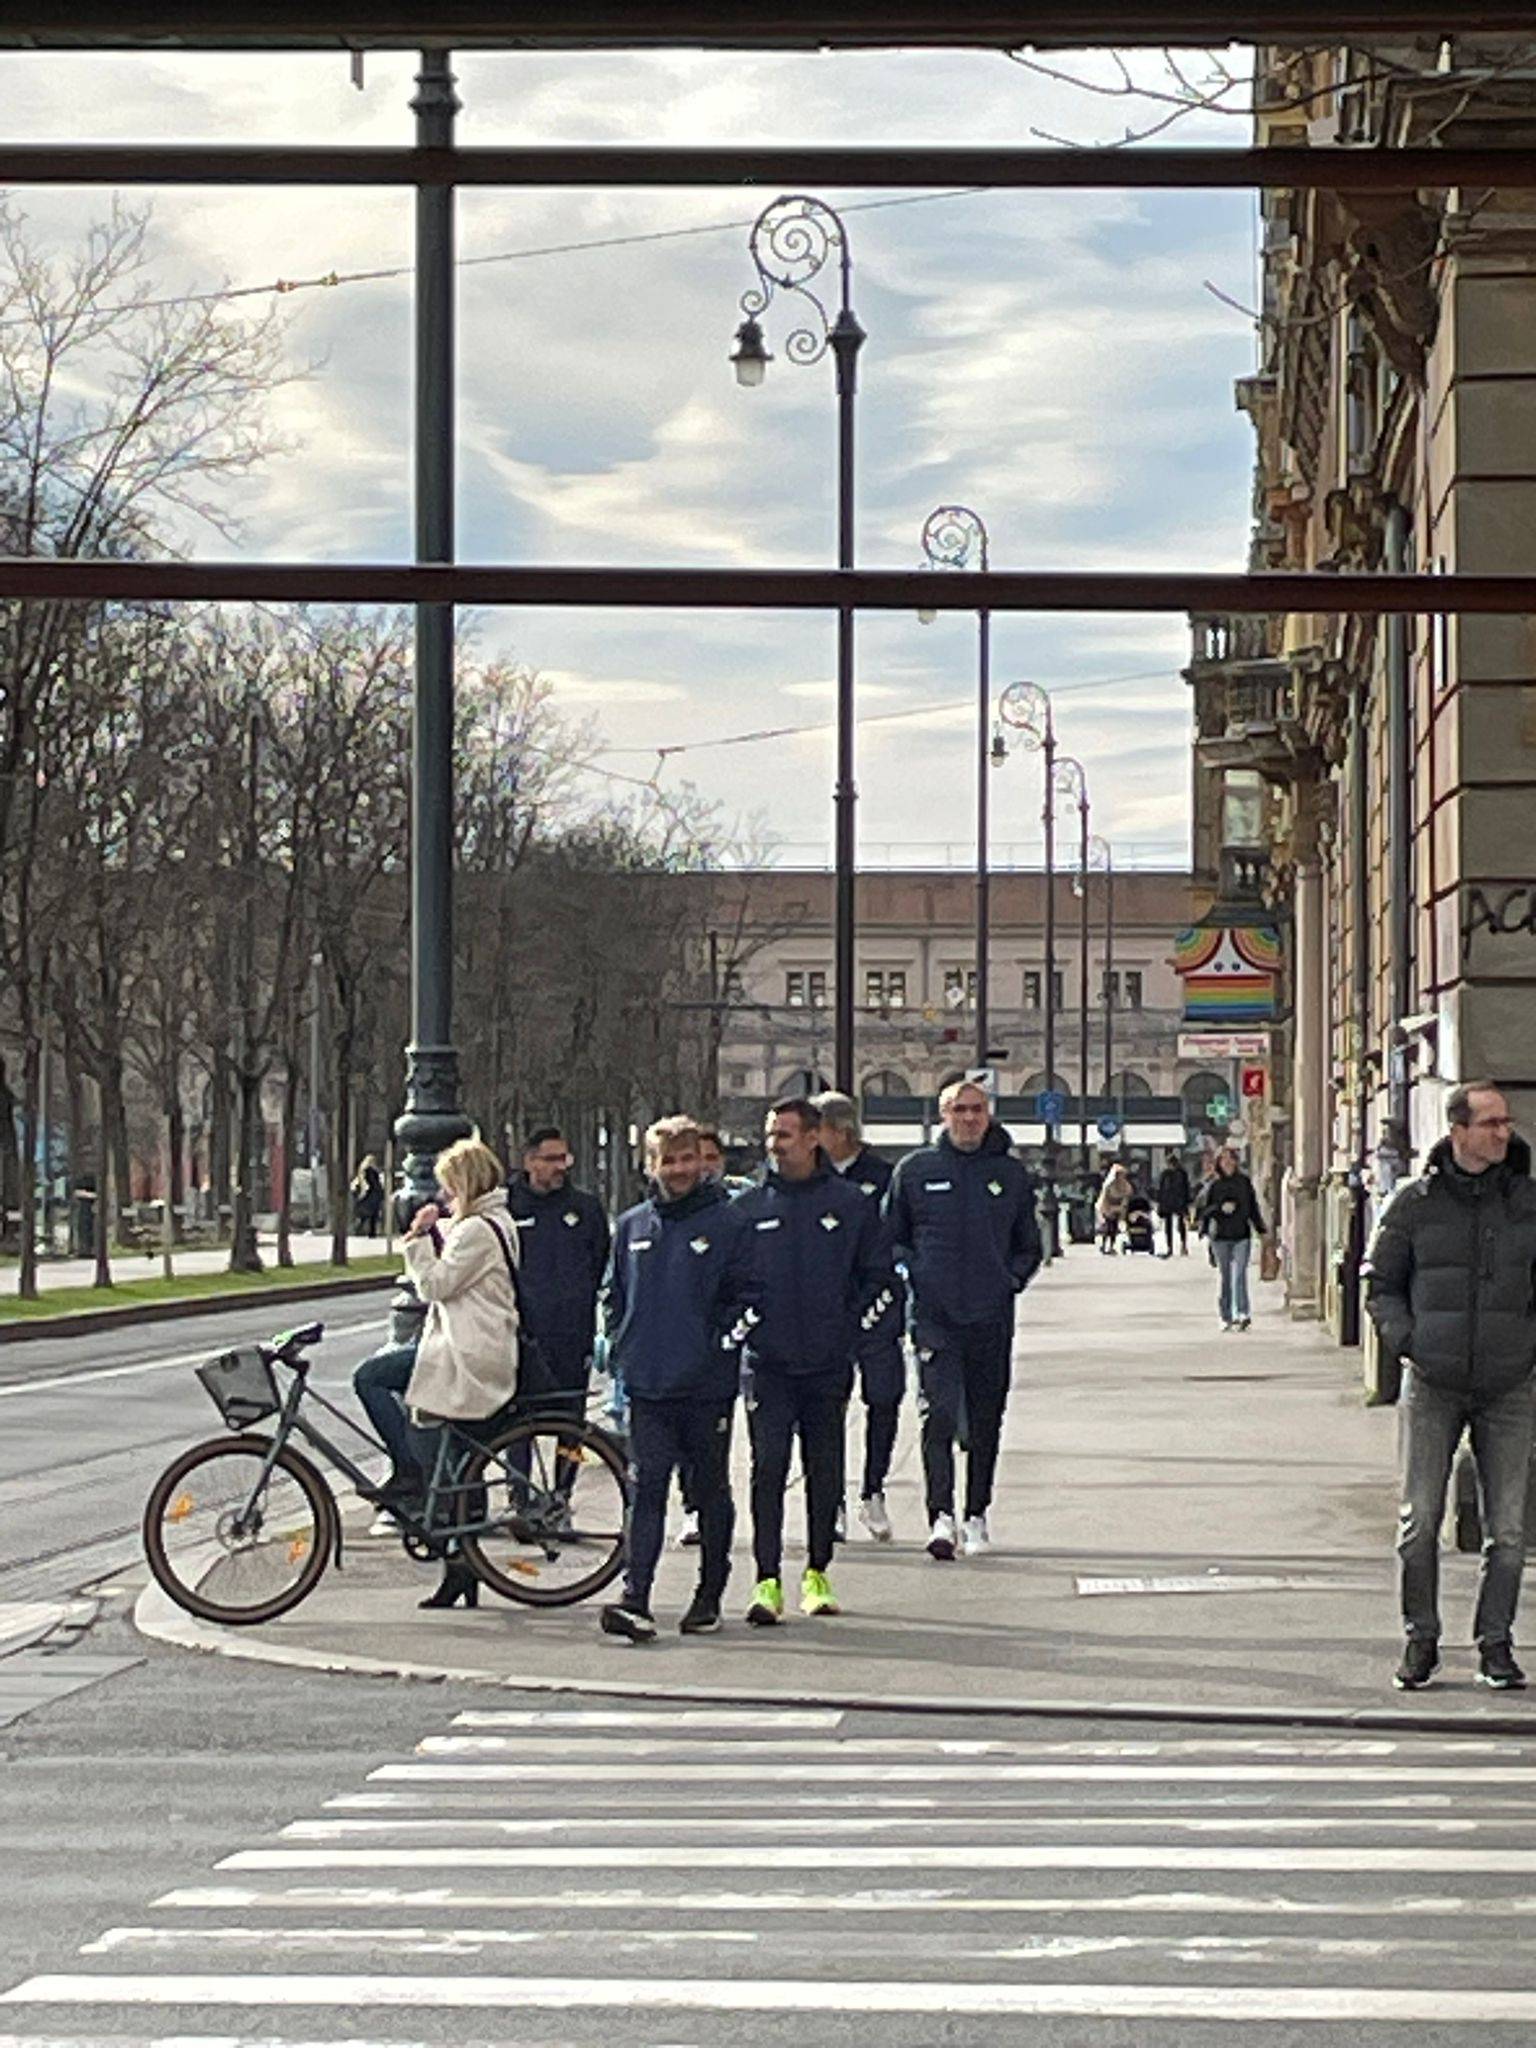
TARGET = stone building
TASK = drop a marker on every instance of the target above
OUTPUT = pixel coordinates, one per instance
(1372, 782)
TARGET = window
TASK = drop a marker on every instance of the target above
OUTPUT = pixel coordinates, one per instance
(885, 988)
(959, 988)
(733, 988)
(886, 1082)
(1034, 982)
(805, 986)
(1124, 989)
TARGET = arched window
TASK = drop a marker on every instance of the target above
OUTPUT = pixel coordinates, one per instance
(1042, 1084)
(1127, 1086)
(1198, 1093)
(886, 1082)
(804, 1081)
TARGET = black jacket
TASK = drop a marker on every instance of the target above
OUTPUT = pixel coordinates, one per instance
(963, 1225)
(678, 1299)
(1173, 1192)
(821, 1270)
(871, 1175)
(562, 1242)
(1228, 1208)
(1451, 1273)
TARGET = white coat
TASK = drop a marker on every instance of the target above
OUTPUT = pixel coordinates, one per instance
(466, 1364)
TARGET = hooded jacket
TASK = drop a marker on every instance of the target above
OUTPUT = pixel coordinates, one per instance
(963, 1225)
(679, 1297)
(466, 1362)
(821, 1270)
(562, 1240)
(1451, 1273)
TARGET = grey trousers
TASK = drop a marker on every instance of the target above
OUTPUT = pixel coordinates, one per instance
(1431, 1421)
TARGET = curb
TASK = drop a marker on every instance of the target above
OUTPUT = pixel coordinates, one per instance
(158, 1619)
(83, 1321)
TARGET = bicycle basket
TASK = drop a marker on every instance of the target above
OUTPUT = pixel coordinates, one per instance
(242, 1386)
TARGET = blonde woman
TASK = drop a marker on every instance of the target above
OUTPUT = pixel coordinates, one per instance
(466, 1361)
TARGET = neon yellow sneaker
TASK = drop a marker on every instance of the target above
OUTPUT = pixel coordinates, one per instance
(816, 1595)
(767, 1609)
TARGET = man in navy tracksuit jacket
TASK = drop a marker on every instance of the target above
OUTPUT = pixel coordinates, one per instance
(821, 1277)
(962, 1218)
(562, 1243)
(679, 1301)
(879, 1356)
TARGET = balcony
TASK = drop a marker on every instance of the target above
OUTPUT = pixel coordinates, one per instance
(1256, 724)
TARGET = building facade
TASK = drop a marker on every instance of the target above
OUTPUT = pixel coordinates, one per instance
(1370, 784)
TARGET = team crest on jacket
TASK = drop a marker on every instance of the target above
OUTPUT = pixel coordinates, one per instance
(867, 1187)
(829, 1221)
(699, 1244)
(570, 1219)
(994, 1187)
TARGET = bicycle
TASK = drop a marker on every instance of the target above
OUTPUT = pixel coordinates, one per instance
(241, 1528)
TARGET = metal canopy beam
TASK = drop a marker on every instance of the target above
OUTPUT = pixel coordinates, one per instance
(761, 589)
(784, 166)
(736, 24)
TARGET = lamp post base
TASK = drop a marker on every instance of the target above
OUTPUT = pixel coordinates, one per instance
(431, 1123)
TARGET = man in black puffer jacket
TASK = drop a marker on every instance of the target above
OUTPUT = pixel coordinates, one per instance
(1451, 1279)
(962, 1221)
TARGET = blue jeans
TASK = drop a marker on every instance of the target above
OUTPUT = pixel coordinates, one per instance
(380, 1383)
(1232, 1264)
(1431, 1420)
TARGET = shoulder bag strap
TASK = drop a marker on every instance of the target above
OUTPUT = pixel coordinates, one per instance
(511, 1265)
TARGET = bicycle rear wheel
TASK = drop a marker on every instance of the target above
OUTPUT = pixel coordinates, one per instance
(234, 1543)
(555, 1494)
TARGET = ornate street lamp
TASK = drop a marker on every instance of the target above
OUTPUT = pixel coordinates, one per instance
(1101, 856)
(955, 537)
(1027, 708)
(1072, 783)
(791, 243)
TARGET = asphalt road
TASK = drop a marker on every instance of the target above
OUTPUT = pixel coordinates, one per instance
(86, 1423)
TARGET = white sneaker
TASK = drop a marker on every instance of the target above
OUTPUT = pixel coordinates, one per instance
(941, 1541)
(974, 1540)
(688, 1537)
(383, 1525)
(875, 1519)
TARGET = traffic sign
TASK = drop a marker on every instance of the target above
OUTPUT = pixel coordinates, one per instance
(1253, 1082)
(983, 1077)
(1109, 1127)
(1050, 1107)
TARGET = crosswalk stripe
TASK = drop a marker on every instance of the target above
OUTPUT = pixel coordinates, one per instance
(1291, 2002)
(576, 1771)
(526, 1802)
(908, 1856)
(684, 1718)
(533, 1750)
(334, 1898)
(823, 1826)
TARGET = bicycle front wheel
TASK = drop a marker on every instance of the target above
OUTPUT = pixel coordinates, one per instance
(554, 1504)
(236, 1535)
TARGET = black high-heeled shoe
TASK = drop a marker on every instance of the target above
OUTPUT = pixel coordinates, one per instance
(458, 1583)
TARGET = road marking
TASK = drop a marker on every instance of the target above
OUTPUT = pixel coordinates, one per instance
(148, 1365)
(25, 1621)
(1289, 2002)
(823, 1825)
(893, 1856)
(534, 1750)
(561, 1804)
(576, 1772)
(687, 1717)
(454, 1938)
(309, 1898)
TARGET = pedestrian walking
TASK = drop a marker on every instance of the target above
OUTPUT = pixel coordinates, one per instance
(563, 1241)
(1174, 1196)
(1114, 1199)
(879, 1356)
(678, 1303)
(1229, 1217)
(722, 1186)
(821, 1279)
(465, 1369)
(1449, 1285)
(367, 1197)
(962, 1220)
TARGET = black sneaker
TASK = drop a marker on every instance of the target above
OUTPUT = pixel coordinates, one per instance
(1421, 1660)
(1496, 1666)
(702, 1618)
(632, 1623)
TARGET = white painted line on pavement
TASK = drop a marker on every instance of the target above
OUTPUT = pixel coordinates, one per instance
(27, 1621)
(91, 1376)
(822, 1825)
(1433, 1856)
(561, 1804)
(550, 1717)
(576, 1772)
(309, 1898)
(534, 1749)
(1290, 2002)
(461, 1939)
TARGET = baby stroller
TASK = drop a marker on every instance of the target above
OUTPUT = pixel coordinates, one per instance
(1139, 1234)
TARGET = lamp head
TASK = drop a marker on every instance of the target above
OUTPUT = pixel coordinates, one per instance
(999, 752)
(750, 356)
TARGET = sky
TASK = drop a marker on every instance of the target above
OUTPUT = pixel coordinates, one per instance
(1053, 360)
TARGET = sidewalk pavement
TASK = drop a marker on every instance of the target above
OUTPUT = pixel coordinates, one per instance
(1185, 1518)
(310, 1248)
